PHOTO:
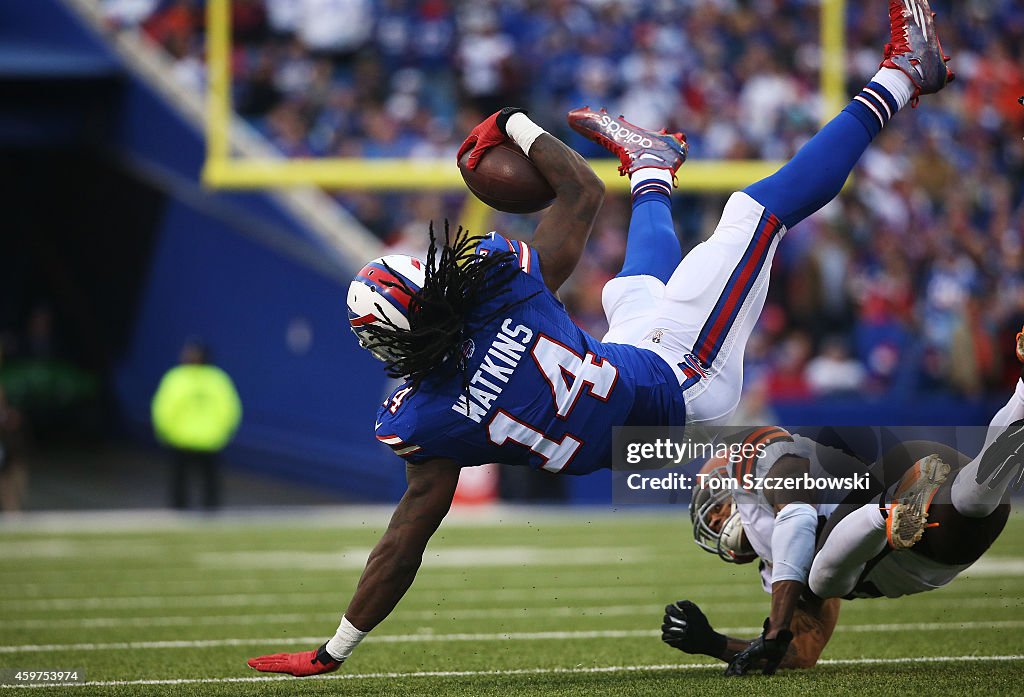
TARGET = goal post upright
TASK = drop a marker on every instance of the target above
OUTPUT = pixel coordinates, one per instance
(222, 170)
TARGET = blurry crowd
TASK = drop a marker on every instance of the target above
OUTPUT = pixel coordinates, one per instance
(910, 282)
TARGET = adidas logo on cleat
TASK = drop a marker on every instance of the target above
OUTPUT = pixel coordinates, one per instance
(623, 134)
(635, 147)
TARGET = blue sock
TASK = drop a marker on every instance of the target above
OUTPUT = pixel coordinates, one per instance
(652, 248)
(817, 173)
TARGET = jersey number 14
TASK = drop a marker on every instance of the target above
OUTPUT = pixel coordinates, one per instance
(558, 364)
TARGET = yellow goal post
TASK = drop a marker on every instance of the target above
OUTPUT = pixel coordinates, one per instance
(223, 170)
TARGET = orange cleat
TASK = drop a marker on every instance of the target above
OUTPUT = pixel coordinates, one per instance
(908, 511)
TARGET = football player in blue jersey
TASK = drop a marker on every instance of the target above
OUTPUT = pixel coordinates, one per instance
(496, 371)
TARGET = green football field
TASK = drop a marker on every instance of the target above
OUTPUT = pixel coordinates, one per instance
(507, 603)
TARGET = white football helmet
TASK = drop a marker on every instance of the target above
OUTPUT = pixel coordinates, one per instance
(728, 543)
(378, 296)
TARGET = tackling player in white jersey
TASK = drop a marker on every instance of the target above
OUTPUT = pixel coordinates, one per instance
(917, 535)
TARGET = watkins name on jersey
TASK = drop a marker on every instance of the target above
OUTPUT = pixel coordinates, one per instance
(500, 361)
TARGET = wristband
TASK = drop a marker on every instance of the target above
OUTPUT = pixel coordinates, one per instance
(345, 640)
(523, 131)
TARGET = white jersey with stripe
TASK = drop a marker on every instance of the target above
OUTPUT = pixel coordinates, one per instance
(756, 513)
(906, 572)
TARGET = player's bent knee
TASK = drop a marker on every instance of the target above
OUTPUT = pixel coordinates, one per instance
(825, 584)
(974, 510)
(971, 507)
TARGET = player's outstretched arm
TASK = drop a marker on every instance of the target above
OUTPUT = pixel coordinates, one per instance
(564, 228)
(793, 542)
(389, 571)
(799, 646)
(685, 627)
(812, 628)
(393, 563)
(793, 539)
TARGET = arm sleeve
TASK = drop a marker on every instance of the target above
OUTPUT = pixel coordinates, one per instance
(793, 542)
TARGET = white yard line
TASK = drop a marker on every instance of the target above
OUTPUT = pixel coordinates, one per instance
(526, 613)
(523, 671)
(66, 549)
(426, 592)
(421, 615)
(996, 567)
(710, 600)
(12, 593)
(430, 584)
(474, 557)
(500, 636)
(132, 523)
(306, 598)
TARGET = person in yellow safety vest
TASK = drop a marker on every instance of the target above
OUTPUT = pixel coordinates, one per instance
(196, 411)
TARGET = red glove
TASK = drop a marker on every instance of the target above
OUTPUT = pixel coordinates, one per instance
(297, 664)
(486, 135)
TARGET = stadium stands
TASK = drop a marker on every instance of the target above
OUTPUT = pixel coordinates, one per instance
(909, 284)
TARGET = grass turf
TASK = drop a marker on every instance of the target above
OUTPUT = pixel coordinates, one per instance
(549, 605)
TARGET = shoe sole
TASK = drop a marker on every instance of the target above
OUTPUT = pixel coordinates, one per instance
(908, 517)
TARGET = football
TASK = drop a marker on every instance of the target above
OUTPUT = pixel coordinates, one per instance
(507, 180)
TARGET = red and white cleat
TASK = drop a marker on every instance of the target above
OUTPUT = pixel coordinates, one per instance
(635, 147)
(914, 47)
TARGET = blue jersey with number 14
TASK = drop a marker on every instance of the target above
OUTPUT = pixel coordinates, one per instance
(541, 392)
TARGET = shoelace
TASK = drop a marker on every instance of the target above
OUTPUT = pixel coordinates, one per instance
(900, 41)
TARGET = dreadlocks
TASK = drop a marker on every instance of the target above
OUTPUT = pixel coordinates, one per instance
(457, 280)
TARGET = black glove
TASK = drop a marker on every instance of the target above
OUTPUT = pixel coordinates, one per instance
(685, 627)
(767, 653)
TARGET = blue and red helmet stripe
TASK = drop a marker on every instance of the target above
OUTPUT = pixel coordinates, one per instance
(390, 284)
